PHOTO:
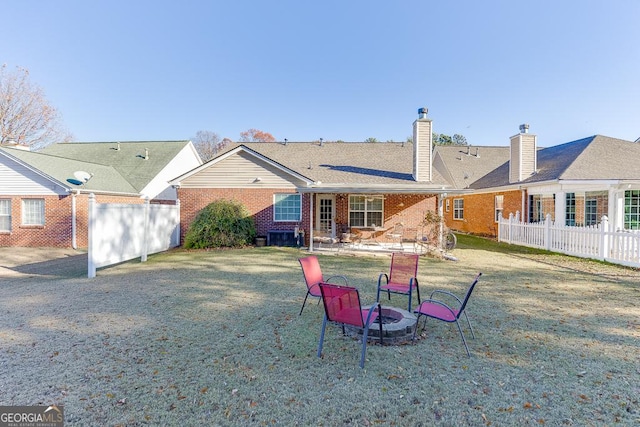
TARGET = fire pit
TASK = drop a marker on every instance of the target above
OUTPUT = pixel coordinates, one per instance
(398, 326)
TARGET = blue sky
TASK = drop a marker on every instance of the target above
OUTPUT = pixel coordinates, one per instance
(339, 70)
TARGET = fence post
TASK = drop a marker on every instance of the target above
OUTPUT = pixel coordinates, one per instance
(91, 265)
(508, 240)
(547, 232)
(176, 234)
(604, 238)
(145, 235)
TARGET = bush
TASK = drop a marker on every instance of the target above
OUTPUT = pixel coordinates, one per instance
(222, 223)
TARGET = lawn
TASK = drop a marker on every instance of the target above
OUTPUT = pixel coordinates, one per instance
(214, 338)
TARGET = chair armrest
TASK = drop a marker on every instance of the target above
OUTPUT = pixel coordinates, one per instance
(380, 278)
(343, 278)
(440, 291)
(372, 310)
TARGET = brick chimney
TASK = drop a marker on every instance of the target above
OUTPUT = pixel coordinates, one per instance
(523, 159)
(422, 147)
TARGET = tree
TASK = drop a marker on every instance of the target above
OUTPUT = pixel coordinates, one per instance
(26, 116)
(371, 139)
(208, 144)
(442, 139)
(255, 135)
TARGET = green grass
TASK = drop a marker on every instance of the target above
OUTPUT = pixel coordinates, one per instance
(467, 241)
(214, 338)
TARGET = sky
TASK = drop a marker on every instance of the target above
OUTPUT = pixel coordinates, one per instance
(333, 69)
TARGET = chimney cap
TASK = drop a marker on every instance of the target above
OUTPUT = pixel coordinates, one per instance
(422, 112)
(524, 128)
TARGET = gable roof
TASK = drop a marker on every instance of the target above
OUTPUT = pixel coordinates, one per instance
(593, 158)
(60, 170)
(463, 165)
(127, 158)
(348, 166)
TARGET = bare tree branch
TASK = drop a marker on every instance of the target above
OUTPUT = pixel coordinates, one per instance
(26, 116)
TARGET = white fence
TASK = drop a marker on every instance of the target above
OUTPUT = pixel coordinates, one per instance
(596, 242)
(120, 232)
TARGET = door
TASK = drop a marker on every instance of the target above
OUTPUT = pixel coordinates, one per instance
(325, 213)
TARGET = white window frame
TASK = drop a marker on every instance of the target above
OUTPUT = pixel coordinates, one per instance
(33, 212)
(5, 215)
(458, 209)
(369, 207)
(286, 208)
(499, 206)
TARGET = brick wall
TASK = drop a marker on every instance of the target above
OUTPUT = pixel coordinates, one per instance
(259, 203)
(408, 209)
(57, 228)
(479, 212)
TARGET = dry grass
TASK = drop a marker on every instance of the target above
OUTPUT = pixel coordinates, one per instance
(214, 338)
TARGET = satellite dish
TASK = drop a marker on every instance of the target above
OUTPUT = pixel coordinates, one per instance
(74, 181)
(82, 176)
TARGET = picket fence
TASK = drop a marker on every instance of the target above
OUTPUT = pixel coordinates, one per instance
(596, 242)
(121, 232)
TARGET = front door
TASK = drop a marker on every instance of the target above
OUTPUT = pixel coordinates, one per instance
(325, 213)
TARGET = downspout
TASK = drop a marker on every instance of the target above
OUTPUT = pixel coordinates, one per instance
(74, 243)
(310, 222)
(441, 215)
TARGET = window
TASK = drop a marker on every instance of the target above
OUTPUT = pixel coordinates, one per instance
(458, 208)
(499, 207)
(366, 211)
(287, 207)
(32, 211)
(632, 210)
(591, 212)
(5, 215)
(570, 209)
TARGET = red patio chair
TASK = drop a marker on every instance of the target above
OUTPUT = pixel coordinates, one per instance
(402, 277)
(441, 311)
(342, 306)
(313, 276)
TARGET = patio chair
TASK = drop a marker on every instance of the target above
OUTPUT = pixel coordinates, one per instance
(395, 235)
(441, 311)
(402, 278)
(342, 306)
(313, 276)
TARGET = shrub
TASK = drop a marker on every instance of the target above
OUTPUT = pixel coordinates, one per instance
(222, 223)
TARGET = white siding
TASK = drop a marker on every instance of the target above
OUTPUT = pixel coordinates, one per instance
(522, 163)
(185, 161)
(18, 180)
(240, 171)
(422, 149)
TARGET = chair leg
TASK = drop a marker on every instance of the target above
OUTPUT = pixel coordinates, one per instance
(463, 340)
(303, 303)
(380, 322)
(424, 324)
(324, 325)
(469, 323)
(365, 334)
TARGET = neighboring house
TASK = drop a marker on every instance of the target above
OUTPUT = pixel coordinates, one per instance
(333, 188)
(328, 188)
(576, 183)
(44, 195)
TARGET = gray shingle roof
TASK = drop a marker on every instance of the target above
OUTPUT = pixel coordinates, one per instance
(594, 158)
(348, 163)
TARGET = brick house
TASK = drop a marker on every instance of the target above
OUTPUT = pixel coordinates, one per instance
(333, 187)
(44, 195)
(577, 183)
(322, 187)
